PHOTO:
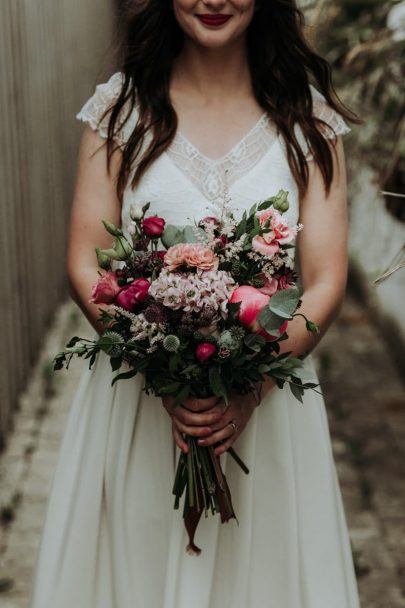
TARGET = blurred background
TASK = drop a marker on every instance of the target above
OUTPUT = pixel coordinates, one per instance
(52, 54)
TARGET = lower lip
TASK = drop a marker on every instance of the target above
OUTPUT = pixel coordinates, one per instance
(216, 21)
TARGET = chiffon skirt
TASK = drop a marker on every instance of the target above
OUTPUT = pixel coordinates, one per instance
(111, 538)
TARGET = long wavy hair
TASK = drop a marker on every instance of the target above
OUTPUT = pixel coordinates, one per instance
(282, 64)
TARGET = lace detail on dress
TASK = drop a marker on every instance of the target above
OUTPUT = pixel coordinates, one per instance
(104, 98)
(213, 176)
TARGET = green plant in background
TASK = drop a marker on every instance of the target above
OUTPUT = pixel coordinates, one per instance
(364, 41)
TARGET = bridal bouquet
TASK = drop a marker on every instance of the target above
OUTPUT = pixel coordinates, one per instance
(199, 311)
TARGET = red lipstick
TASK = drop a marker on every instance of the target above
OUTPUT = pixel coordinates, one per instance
(214, 20)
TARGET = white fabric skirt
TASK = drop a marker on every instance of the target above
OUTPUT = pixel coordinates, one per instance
(111, 538)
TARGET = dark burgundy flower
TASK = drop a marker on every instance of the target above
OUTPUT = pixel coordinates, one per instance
(133, 294)
(153, 226)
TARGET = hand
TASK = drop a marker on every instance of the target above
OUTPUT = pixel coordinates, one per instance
(238, 411)
(194, 417)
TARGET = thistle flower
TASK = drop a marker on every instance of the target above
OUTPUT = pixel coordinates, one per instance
(171, 343)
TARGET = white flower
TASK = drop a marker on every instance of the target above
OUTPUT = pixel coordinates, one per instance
(136, 212)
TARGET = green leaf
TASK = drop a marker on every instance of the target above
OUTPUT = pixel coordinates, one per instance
(284, 303)
(92, 359)
(255, 342)
(270, 321)
(182, 395)
(216, 383)
(115, 363)
(297, 391)
(189, 234)
(72, 341)
(172, 235)
(170, 388)
(124, 376)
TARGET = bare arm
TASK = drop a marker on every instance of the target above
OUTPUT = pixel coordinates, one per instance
(95, 199)
(322, 256)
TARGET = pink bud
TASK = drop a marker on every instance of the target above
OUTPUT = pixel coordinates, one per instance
(205, 351)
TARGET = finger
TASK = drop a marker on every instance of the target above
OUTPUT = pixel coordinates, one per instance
(199, 405)
(226, 444)
(178, 437)
(225, 433)
(196, 419)
(194, 431)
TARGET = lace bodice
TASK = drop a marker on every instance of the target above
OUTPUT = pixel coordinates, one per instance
(183, 184)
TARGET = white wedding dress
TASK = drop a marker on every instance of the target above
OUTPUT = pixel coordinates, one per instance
(111, 538)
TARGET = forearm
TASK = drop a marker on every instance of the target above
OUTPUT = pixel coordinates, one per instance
(320, 304)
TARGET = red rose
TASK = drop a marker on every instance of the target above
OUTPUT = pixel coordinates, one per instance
(133, 294)
(205, 351)
(153, 226)
(105, 290)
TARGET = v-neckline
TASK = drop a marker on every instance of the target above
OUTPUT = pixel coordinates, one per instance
(220, 159)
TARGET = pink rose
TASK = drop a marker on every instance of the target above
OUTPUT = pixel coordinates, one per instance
(205, 351)
(105, 290)
(270, 286)
(279, 232)
(210, 219)
(252, 302)
(194, 255)
(153, 226)
(260, 244)
(133, 294)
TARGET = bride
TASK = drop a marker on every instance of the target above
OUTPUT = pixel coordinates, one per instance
(212, 95)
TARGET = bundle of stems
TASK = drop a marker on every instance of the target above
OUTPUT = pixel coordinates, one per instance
(200, 477)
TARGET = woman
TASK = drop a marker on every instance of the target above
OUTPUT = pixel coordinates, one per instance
(212, 95)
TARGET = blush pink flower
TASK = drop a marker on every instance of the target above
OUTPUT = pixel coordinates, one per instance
(270, 286)
(278, 232)
(105, 290)
(191, 255)
(252, 301)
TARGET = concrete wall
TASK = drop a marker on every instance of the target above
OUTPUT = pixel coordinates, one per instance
(52, 52)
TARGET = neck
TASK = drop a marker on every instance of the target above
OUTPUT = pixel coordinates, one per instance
(211, 73)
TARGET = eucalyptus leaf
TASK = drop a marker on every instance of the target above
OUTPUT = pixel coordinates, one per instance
(270, 321)
(284, 303)
(190, 232)
(172, 235)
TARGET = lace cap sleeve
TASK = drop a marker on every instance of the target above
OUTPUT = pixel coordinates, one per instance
(102, 100)
(335, 124)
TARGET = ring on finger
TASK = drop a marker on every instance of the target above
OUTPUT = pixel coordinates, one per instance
(234, 425)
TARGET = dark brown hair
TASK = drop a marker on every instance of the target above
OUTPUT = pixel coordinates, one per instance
(282, 64)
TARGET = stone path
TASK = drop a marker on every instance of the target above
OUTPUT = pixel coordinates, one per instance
(366, 407)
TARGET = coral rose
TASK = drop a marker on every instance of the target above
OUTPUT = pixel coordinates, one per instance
(105, 290)
(135, 293)
(192, 255)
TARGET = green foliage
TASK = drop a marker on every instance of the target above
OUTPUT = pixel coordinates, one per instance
(368, 68)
